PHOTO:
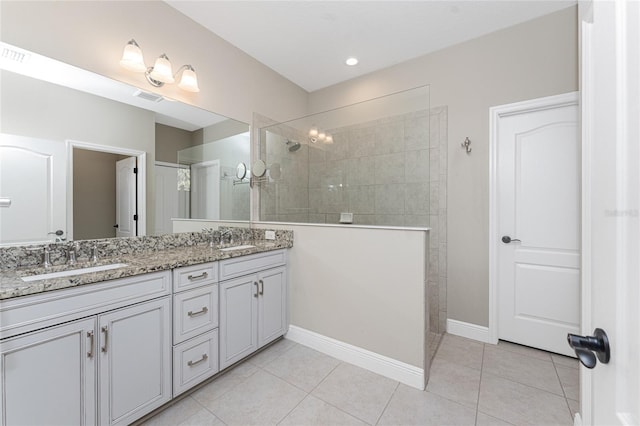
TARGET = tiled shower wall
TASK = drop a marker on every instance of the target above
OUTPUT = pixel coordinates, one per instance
(389, 172)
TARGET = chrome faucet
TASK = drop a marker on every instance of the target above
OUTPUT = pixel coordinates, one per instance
(212, 241)
(224, 234)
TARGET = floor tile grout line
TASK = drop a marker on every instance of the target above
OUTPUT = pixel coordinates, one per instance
(566, 399)
(529, 386)
(494, 417)
(502, 348)
(526, 384)
(387, 404)
(479, 386)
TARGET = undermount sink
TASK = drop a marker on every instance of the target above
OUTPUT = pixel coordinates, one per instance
(246, 246)
(72, 272)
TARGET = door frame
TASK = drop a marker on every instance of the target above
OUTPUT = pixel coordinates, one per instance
(495, 115)
(141, 181)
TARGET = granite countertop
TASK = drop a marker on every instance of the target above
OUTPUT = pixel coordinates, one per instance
(11, 284)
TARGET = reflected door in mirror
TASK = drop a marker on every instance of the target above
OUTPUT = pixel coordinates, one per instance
(126, 211)
(172, 196)
(205, 190)
(33, 178)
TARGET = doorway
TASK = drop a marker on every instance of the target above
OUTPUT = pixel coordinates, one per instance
(97, 190)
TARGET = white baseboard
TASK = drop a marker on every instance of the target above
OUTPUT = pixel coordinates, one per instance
(379, 364)
(468, 330)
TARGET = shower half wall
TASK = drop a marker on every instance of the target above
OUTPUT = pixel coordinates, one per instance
(386, 166)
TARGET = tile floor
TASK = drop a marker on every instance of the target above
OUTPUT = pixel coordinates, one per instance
(471, 384)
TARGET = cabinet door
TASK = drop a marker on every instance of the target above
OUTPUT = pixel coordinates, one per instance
(238, 319)
(135, 361)
(48, 376)
(272, 318)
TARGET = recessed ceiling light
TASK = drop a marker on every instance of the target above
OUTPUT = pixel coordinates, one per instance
(351, 61)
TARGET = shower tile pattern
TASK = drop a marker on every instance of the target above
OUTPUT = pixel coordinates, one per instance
(388, 172)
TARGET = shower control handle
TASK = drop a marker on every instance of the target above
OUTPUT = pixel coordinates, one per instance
(507, 239)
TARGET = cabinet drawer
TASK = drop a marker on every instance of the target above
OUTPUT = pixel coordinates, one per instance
(194, 361)
(194, 276)
(28, 313)
(194, 312)
(243, 265)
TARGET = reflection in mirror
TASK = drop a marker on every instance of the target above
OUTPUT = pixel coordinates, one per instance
(212, 168)
(366, 164)
(64, 132)
(241, 171)
(259, 168)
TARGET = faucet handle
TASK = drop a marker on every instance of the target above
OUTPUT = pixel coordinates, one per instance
(71, 253)
(46, 256)
(94, 254)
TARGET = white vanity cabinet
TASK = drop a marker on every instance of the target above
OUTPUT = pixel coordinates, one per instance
(253, 304)
(195, 325)
(94, 354)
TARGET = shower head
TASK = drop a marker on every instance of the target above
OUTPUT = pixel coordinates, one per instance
(293, 145)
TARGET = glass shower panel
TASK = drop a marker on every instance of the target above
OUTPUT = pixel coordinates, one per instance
(366, 164)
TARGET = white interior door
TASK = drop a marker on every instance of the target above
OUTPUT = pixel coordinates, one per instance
(37, 203)
(205, 190)
(610, 393)
(538, 208)
(171, 201)
(126, 198)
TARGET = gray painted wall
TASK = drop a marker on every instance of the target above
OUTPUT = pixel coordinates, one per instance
(531, 60)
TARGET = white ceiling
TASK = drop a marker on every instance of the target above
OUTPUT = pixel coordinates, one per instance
(308, 41)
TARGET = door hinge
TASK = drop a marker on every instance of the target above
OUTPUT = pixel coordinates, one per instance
(135, 170)
(135, 217)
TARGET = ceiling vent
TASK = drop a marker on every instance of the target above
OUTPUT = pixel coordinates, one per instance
(14, 55)
(147, 96)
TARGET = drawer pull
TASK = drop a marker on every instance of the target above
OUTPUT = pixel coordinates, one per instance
(257, 289)
(204, 310)
(193, 363)
(197, 277)
(261, 287)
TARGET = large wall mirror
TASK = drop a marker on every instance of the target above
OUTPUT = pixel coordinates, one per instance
(83, 156)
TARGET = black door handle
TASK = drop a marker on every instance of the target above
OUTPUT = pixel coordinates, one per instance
(116, 226)
(507, 239)
(585, 346)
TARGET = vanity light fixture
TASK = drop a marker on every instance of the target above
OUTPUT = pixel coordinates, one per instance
(161, 72)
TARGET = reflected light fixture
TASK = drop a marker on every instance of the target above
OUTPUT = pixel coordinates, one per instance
(161, 72)
(328, 139)
(313, 134)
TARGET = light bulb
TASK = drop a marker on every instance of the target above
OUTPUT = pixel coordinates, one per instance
(328, 139)
(162, 70)
(189, 80)
(313, 132)
(132, 57)
(321, 136)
